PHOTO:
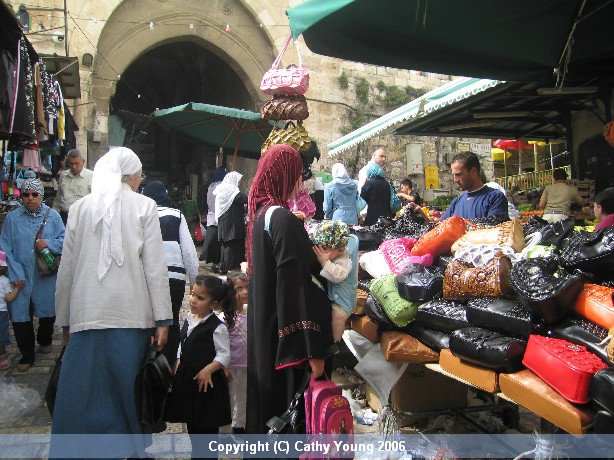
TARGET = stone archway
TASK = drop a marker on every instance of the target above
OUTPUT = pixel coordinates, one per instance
(247, 49)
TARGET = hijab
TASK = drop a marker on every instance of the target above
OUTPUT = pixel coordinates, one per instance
(340, 175)
(374, 170)
(106, 198)
(156, 190)
(278, 170)
(226, 192)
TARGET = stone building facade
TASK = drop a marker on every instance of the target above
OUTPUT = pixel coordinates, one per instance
(245, 36)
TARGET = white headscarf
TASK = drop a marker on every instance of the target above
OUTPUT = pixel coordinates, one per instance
(226, 192)
(107, 203)
(340, 174)
(318, 184)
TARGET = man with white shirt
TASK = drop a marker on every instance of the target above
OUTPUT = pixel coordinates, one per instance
(379, 156)
(74, 183)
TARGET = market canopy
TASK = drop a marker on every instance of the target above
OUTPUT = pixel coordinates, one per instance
(508, 110)
(448, 94)
(515, 40)
(239, 130)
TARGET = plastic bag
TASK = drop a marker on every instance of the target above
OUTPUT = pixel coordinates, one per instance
(15, 401)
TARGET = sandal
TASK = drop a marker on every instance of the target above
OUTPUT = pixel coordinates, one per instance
(5, 362)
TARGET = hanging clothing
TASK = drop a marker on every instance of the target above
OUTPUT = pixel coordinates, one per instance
(289, 316)
(22, 116)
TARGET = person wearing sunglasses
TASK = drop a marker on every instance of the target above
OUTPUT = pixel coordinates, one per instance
(19, 232)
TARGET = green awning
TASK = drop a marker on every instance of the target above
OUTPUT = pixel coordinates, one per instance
(515, 40)
(220, 126)
(217, 126)
(450, 93)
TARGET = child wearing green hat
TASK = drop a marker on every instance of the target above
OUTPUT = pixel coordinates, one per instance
(337, 252)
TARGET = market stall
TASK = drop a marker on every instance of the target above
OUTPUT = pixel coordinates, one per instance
(522, 312)
(36, 127)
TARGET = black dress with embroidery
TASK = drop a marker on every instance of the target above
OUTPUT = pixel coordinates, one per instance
(289, 316)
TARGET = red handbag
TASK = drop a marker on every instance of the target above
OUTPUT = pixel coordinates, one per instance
(566, 367)
(596, 303)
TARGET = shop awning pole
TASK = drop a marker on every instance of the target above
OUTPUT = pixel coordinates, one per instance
(505, 167)
(234, 156)
(535, 165)
(551, 156)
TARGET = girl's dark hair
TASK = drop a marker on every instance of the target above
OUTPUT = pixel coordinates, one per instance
(605, 199)
(234, 276)
(221, 292)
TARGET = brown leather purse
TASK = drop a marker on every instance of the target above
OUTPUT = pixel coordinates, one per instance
(461, 281)
(506, 234)
(399, 347)
(596, 303)
(283, 107)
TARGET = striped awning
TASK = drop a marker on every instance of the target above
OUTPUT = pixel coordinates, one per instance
(454, 91)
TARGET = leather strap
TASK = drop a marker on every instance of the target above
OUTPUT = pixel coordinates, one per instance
(40, 230)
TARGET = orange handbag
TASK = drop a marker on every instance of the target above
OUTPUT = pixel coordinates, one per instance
(595, 303)
(608, 132)
(439, 240)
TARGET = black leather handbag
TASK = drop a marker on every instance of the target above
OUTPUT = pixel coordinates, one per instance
(443, 262)
(436, 340)
(420, 283)
(488, 349)
(543, 287)
(589, 252)
(604, 422)
(54, 379)
(554, 234)
(152, 385)
(582, 332)
(602, 388)
(376, 313)
(509, 317)
(535, 224)
(442, 315)
(368, 239)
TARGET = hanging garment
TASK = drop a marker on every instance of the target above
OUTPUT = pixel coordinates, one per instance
(31, 159)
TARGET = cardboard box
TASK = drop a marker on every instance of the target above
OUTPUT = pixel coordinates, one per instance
(421, 389)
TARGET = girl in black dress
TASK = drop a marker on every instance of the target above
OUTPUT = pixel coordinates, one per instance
(200, 395)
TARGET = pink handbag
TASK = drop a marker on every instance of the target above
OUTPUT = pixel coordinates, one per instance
(397, 253)
(291, 81)
(303, 203)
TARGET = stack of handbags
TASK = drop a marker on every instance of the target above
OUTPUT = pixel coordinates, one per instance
(590, 252)
(439, 240)
(505, 234)
(602, 392)
(374, 310)
(488, 349)
(293, 134)
(462, 281)
(419, 283)
(436, 340)
(543, 287)
(285, 107)
(401, 312)
(566, 367)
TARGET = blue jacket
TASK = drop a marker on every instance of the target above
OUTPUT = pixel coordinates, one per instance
(340, 202)
(17, 241)
(344, 293)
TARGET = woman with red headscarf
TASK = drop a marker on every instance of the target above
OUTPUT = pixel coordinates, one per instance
(289, 316)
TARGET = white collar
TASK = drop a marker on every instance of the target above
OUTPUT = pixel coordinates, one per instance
(477, 189)
(192, 320)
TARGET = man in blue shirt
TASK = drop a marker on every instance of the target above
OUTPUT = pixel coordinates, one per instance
(479, 199)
